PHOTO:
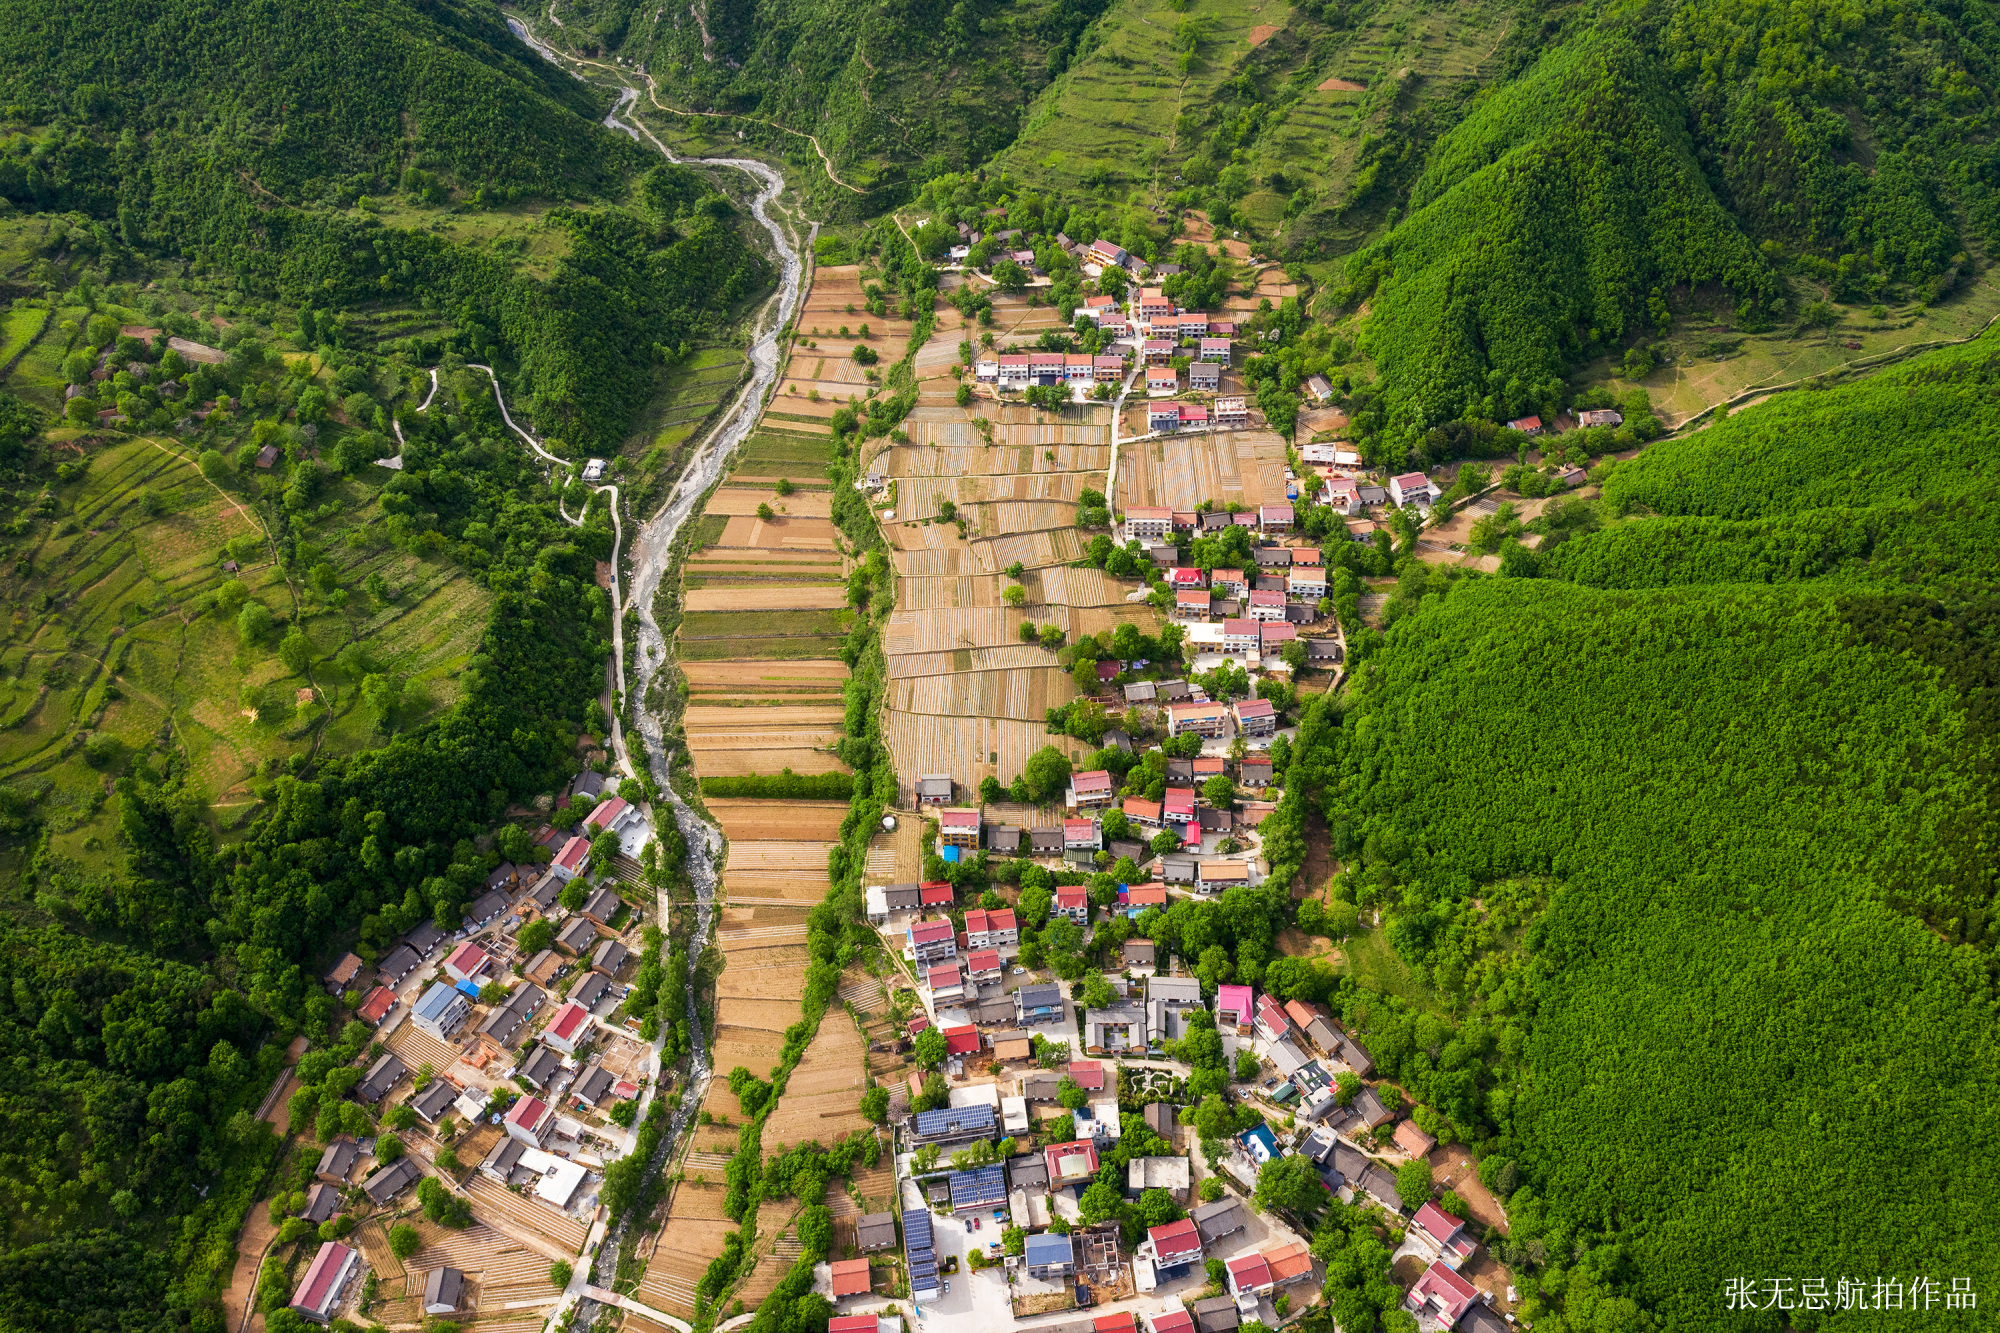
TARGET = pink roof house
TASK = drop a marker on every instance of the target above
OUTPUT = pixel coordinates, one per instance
(1233, 1007)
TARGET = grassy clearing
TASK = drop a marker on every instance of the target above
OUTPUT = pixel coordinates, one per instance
(1373, 962)
(1709, 362)
(23, 321)
(688, 395)
(760, 624)
(764, 451)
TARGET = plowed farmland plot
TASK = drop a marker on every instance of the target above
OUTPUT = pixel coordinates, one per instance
(738, 598)
(745, 500)
(746, 821)
(823, 1096)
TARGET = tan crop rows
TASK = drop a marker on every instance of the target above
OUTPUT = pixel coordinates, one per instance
(746, 822)
(784, 534)
(1025, 695)
(744, 500)
(831, 597)
(968, 627)
(1179, 472)
(823, 1096)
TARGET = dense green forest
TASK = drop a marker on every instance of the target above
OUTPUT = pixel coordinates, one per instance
(1738, 1048)
(268, 139)
(894, 93)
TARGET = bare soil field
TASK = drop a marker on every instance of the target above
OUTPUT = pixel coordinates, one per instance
(779, 534)
(969, 627)
(1026, 695)
(820, 597)
(733, 763)
(766, 1015)
(823, 1096)
(1179, 472)
(968, 748)
(743, 500)
(747, 823)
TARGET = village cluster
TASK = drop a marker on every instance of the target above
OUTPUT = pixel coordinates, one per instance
(1149, 330)
(990, 1226)
(500, 1050)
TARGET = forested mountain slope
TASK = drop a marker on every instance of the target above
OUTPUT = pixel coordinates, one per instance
(1734, 758)
(894, 92)
(154, 103)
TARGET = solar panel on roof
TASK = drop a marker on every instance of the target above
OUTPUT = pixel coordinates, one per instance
(917, 1227)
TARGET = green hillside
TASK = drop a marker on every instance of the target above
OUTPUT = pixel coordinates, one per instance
(1734, 1049)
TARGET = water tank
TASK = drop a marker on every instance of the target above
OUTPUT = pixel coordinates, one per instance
(888, 823)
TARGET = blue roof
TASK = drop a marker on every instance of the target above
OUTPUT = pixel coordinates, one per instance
(468, 987)
(1263, 1135)
(917, 1228)
(435, 1001)
(978, 1188)
(963, 1118)
(948, 855)
(1049, 1248)
(917, 1244)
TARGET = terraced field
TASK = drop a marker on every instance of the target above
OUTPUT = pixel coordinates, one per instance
(966, 696)
(108, 633)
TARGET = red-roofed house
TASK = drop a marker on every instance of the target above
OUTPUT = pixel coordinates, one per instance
(1073, 902)
(568, 1029)
(1094, 788)
(853, 1323)
(1440, 1297)
(1073, 1163)
(613, 813)
(1411, 488)
(1276, 518)
(958, 828)
(1290, 1262)
(1141, 896)
(1266, 604)
(467, 961)
(983, 965)
(936, 893)
(1118, 1321)
(1256, 717)
(377, 1006)
(961, 1040)
(1446, 1234)
(1089, 1074)
(1210, 720)
(1177, 805)
(1183, 576)
(570, 860)
(319, 1293)
(917, 1024)
(1175, 1245)
(1142, 811)
(1081, 835)
(1249, 1275)
(528, 1120)
(945, 983)
(991, 930)
(1526, 425)
(1272, 1024)
(1177, 1320)
(932, 942)
(1412, 1139)
(1192, 604)
(1301, 1014)
(850, 1278)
